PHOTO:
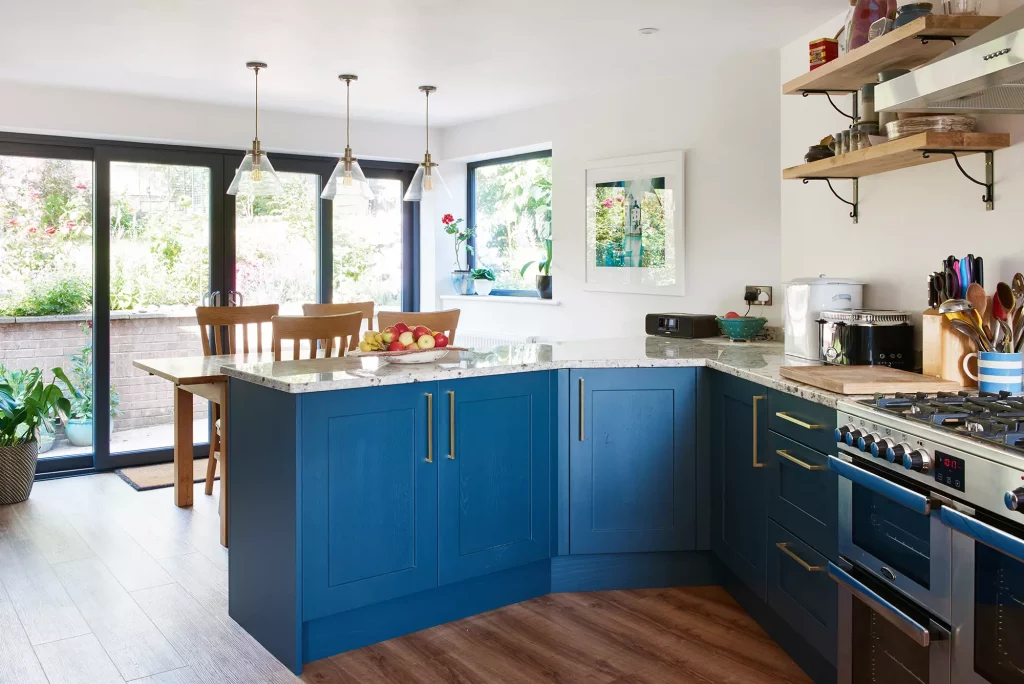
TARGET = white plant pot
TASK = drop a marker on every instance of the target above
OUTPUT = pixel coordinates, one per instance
(483, 286)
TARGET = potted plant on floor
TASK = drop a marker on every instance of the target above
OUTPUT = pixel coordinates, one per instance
(78, 427)
(462, 278)
(483, 281)
(26, 408)
(543, 271)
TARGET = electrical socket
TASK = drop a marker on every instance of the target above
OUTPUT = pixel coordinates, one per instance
(758, 295)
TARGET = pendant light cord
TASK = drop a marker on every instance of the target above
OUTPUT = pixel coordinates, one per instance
(257, 70)
(348, 114)
(428, 121)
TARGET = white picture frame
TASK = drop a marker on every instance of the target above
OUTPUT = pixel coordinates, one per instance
(618, 269)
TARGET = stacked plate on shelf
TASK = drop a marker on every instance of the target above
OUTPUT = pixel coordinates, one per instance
(941, 123)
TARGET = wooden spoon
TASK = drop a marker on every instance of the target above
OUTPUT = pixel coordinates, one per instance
(979, 300)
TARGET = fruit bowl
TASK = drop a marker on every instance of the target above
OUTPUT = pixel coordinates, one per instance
(411, 355)
(741, 329)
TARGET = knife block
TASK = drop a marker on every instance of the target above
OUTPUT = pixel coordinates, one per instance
(944, 349)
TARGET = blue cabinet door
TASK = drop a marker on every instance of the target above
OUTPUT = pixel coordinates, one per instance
(494, 451)
(632, 460)
(369, 497)
(739, 462)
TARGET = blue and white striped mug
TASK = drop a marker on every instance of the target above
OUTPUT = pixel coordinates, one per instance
(997, 372)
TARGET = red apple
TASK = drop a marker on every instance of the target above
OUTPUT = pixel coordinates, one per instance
(420, 331)
(440, 339)
(425, 342)
(412, 345)
(400, 327)
(396, 346)
(732, 314)
(389, 336)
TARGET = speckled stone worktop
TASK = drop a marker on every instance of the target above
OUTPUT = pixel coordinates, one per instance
(758, 362)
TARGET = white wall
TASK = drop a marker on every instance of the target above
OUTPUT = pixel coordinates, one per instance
(722, 113)
(910, 219)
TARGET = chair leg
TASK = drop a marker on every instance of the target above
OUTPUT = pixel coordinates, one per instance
(211, 463)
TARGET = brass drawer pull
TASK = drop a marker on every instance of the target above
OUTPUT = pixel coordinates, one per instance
(582, 411)
(756, 464)
(806, 466)
(797, 421)
(451, 425)
(430, 427)
(784, 547)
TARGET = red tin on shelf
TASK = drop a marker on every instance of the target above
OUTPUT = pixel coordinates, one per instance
(823, 51)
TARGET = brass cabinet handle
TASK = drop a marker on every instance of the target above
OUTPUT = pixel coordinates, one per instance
(796, 421)
(451, 425)
(582, 410)
(756, 464)
(430, 427)
(784, 548)
(790, 457)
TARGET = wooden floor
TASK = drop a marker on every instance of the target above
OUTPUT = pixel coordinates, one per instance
(101, 584)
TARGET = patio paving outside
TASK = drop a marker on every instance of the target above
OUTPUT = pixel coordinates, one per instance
(137, 439)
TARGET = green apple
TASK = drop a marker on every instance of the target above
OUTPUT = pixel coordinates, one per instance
(425, 342)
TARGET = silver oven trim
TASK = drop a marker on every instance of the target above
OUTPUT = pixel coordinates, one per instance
(935, 599)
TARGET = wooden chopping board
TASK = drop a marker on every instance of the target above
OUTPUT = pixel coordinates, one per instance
(866, 379)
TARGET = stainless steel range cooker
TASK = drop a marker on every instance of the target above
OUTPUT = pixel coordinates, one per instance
(931, 542)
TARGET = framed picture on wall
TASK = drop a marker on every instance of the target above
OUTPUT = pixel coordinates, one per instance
(635, 224)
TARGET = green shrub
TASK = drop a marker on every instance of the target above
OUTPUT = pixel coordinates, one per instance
(45, 297)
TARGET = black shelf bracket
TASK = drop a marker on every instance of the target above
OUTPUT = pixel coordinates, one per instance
(828, 94)
(855, 214)
(989, 198)
(927, 39)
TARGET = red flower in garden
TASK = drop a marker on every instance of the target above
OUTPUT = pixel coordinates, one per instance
(606, 204)
(13, 222)
(50, 231)
(32, 229)
(82, 186)
(618, 199)
(447, 219)
(89, 323)
(69, 224)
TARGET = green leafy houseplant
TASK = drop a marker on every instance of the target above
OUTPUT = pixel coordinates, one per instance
(81, 398)
(483, 274)
(543, 269)
(452, 226)
(27, 403)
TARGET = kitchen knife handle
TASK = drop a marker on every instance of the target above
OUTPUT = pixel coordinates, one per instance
(979, 271)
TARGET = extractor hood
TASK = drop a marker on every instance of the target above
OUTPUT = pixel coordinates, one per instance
(984, 73)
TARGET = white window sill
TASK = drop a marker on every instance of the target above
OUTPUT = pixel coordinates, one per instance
(500, 299)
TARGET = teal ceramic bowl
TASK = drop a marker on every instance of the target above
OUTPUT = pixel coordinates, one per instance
(743, 329)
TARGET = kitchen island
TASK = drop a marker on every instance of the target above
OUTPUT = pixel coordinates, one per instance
(370, 500)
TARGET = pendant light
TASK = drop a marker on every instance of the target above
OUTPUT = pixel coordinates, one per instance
(255, 175)
(348, 180)
(427, 175)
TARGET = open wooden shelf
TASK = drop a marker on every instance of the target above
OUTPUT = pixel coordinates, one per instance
(904, 48)
(898, 154)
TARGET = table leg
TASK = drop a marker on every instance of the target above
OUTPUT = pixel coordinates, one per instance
(183, 473)
(224, 464)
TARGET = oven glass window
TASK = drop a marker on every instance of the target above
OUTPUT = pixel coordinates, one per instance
(894, 534)
(998, 616)
(882, 654)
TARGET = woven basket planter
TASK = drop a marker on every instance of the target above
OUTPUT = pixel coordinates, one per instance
(17, 472)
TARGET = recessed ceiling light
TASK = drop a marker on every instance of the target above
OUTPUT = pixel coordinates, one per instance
(648, 31)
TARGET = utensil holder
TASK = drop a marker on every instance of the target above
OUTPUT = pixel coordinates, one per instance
(944, 350)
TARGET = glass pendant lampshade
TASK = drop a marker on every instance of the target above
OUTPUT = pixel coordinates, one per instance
(348, 180)
(427, 177)
(255, 175)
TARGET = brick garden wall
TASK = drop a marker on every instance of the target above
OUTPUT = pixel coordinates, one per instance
(49, 341)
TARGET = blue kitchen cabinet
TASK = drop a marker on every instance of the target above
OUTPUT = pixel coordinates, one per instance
(369, 497)
(632, 456)
(494, 451)
(739, 462)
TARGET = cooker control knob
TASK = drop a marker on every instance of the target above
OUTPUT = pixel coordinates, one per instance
(852, 436)
(865, 442)
(895, 454)
(879, 448)
(841, 432)
(1014, 500)
(919, 460)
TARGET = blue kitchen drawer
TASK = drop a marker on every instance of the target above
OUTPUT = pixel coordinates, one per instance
(803, 494)
(802, 421)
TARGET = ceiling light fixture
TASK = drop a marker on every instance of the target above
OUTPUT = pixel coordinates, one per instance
(648, 31)
(255, 175)
(348, 179)
(427, 174)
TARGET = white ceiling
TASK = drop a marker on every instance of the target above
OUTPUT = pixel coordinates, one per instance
(485, 56)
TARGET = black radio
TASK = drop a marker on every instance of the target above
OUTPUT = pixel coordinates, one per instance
(688, 326)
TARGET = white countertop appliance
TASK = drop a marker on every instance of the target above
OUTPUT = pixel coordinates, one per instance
(804, 300)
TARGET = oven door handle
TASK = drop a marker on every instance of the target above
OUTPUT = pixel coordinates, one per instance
(922, 636)
(983, 533)
(918, 503)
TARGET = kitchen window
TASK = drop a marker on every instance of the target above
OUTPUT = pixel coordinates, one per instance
(509, 215)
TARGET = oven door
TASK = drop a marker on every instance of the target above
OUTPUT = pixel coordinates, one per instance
(883, 637)
(988, 602)
(895, 533)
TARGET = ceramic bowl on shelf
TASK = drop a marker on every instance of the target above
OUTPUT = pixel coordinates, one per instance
(742, 329)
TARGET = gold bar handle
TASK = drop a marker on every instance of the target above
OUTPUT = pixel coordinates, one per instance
(756, 464)
(451, 425)
(784, 548)
(797, 421)
(790, 457)
(582, 410)
(430, 427)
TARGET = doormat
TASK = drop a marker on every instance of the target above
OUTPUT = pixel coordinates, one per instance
(161, 475)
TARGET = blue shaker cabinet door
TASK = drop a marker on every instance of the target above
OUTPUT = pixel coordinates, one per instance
(493, 495)
(632, 462)
(369, 497)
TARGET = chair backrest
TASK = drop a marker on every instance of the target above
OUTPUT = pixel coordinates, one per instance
(442, 321)
(214, 319)
(322, 329)
(365, 308)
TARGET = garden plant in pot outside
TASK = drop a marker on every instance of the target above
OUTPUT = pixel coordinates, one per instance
(25, 408)
(78, 427)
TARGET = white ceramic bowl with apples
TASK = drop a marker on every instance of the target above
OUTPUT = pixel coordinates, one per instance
(402, 344)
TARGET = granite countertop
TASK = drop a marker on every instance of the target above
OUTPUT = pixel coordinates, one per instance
(757, 361)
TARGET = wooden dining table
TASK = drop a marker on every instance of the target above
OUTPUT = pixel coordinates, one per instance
(198, 376)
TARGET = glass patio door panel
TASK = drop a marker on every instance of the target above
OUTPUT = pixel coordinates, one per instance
(160, 224)
(46, 289)
(368, 247)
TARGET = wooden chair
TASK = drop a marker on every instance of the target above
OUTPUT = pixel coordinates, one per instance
(365, 308)
(214, 321)
(322, 329)
(443, 321)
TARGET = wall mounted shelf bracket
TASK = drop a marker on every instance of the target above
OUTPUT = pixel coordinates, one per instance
(927, 39)
(855, 214)
(828, 94)
(989, 198)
